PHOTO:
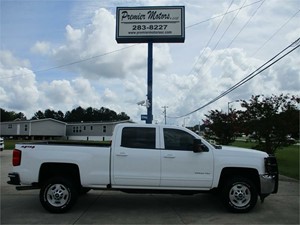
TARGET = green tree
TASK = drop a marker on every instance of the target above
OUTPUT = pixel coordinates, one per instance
(76, 115)
(38, 115)
(221, 127)
(92, 114)
(271, 120)
(48, 113)
(11, 115)
(122, 116)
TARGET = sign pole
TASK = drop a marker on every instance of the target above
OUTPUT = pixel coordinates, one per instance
(150, 24)
(150, 82)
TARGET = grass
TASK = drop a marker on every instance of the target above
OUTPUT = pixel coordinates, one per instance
(10, 144)
(287, 158)
(288, 161)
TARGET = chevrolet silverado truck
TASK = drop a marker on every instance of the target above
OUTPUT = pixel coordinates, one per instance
(144, 159)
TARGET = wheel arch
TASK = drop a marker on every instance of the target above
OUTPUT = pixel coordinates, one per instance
(230, 172)
(68, 170)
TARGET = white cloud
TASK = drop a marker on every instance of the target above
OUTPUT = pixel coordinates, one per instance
(18, 89)
(97, 41)
(58, 91)
(9, 62)
(41, 47)
(109, 96)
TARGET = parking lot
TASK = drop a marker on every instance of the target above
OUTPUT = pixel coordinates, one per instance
(112, 207)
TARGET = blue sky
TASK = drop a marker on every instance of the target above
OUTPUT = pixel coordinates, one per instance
(40, 40)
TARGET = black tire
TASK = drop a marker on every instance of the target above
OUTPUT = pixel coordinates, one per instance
(239, 195)
(58, 195)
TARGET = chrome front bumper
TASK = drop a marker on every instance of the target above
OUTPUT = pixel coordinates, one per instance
(269, 180)
(268, 184)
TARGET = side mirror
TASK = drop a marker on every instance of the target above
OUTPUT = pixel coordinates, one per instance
(198, 146)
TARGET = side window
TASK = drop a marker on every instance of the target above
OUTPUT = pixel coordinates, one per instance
(135, 137)
(178, 140)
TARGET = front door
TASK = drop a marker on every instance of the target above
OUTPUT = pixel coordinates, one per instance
(180, 166)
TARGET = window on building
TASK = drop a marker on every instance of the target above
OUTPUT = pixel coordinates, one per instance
(25, 127)
(91, 127)
(136, 137)
(104, 129)
(178, 140)
(74, 129)
(9, 126)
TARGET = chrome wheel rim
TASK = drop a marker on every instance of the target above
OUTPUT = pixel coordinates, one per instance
(240, 195)
(57, 195)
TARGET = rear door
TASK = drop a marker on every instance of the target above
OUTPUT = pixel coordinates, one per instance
(136, 158)
(181, 167)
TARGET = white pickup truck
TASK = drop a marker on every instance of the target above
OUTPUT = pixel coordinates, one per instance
(144, 159)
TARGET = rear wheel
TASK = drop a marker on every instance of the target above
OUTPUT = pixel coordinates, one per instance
(239, 195)
(58, 195)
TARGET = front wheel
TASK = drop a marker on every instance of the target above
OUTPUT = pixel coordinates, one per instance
(239, 195)
(58, 195)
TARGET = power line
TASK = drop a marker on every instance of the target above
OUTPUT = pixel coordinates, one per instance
(211, 37)
(248, 23)
(247, 78)
(270, 38)
(245, 25)
(72, 63)
(215, 17)
(223, 36)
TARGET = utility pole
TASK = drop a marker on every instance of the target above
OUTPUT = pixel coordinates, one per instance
(165, 112)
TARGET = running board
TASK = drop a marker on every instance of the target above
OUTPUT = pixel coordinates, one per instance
(25, 188)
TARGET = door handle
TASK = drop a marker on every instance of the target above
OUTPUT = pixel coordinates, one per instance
(122, 154)
(169, 156)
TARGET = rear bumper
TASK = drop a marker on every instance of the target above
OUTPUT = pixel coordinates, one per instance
(14, 179)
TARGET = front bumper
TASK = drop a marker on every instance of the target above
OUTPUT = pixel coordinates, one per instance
(14, 179)
(268, 184)
(269, 180)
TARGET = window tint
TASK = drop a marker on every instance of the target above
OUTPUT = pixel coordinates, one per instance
(178, 140)
(135, 137)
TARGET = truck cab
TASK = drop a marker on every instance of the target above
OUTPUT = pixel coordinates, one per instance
(165, 155)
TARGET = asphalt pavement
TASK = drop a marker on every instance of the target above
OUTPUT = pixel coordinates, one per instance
(113, 207)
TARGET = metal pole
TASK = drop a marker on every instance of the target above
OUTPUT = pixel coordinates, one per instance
(150, 82)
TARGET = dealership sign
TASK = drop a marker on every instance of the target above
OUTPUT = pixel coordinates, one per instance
(150, 24)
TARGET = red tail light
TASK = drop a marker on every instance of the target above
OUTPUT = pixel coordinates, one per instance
(16, 159)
